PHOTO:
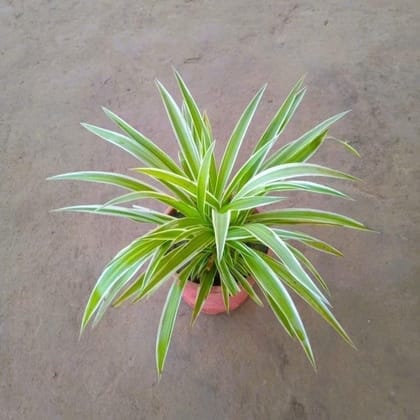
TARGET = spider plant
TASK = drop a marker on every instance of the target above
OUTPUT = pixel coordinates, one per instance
(214, 230)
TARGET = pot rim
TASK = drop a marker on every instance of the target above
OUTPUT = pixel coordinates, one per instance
(217, 289)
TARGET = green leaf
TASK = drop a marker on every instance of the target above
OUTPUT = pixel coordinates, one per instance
(176, 259)
(308, 296)
(181, 130)
(164, 161)
(225, 295)
(125, 143)
(104, 177)
(221, 226)
(141, 215)
(345, 144)
(194, 112)
(273, 287)
(179, 181)
(283, 115)
(135, 254)
(308, 240)
(199, 139)
(156, 260)
(227, 278)
(307, 186)
(114, 290)
(203, 180)
(245, 173)
(235, 141)
(206, 283)
(187, 117)
(295, 151)
(269, 238)
(179, 238)
(131, 292)
(213, 168)
(183, 223)
(168, 231)
(237, 233)
(291, 111)
(186, 271)
(289, 170)
(305, 216)
(167, 322)
(184, 165)
(305, 152)
(182, 207)
(280, 315)
(275, 128)
(245, 284)
(168, 234)
(248, 203)
(308, 264)
(199, 263)
(207, 124)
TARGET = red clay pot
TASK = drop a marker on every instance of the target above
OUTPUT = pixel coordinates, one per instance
(214, 302)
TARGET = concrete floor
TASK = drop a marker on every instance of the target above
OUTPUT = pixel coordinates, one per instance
(60, 61)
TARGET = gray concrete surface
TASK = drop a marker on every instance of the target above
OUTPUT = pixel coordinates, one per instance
(60, 61)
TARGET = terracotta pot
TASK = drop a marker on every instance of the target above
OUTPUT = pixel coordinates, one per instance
(214, 303)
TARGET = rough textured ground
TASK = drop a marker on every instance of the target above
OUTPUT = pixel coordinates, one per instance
(60, 61)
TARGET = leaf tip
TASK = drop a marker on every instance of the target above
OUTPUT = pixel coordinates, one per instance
(82, 328)
(176, 72)
(107, 112)
(159, 372)
(193, 319)
(262, 89)
(159, 84)
(356, 179)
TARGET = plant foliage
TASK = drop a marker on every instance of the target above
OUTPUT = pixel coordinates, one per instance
(219, 233)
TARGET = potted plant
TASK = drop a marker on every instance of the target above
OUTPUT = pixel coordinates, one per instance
(213, 232)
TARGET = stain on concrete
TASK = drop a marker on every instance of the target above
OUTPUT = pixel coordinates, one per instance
(296, 410)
